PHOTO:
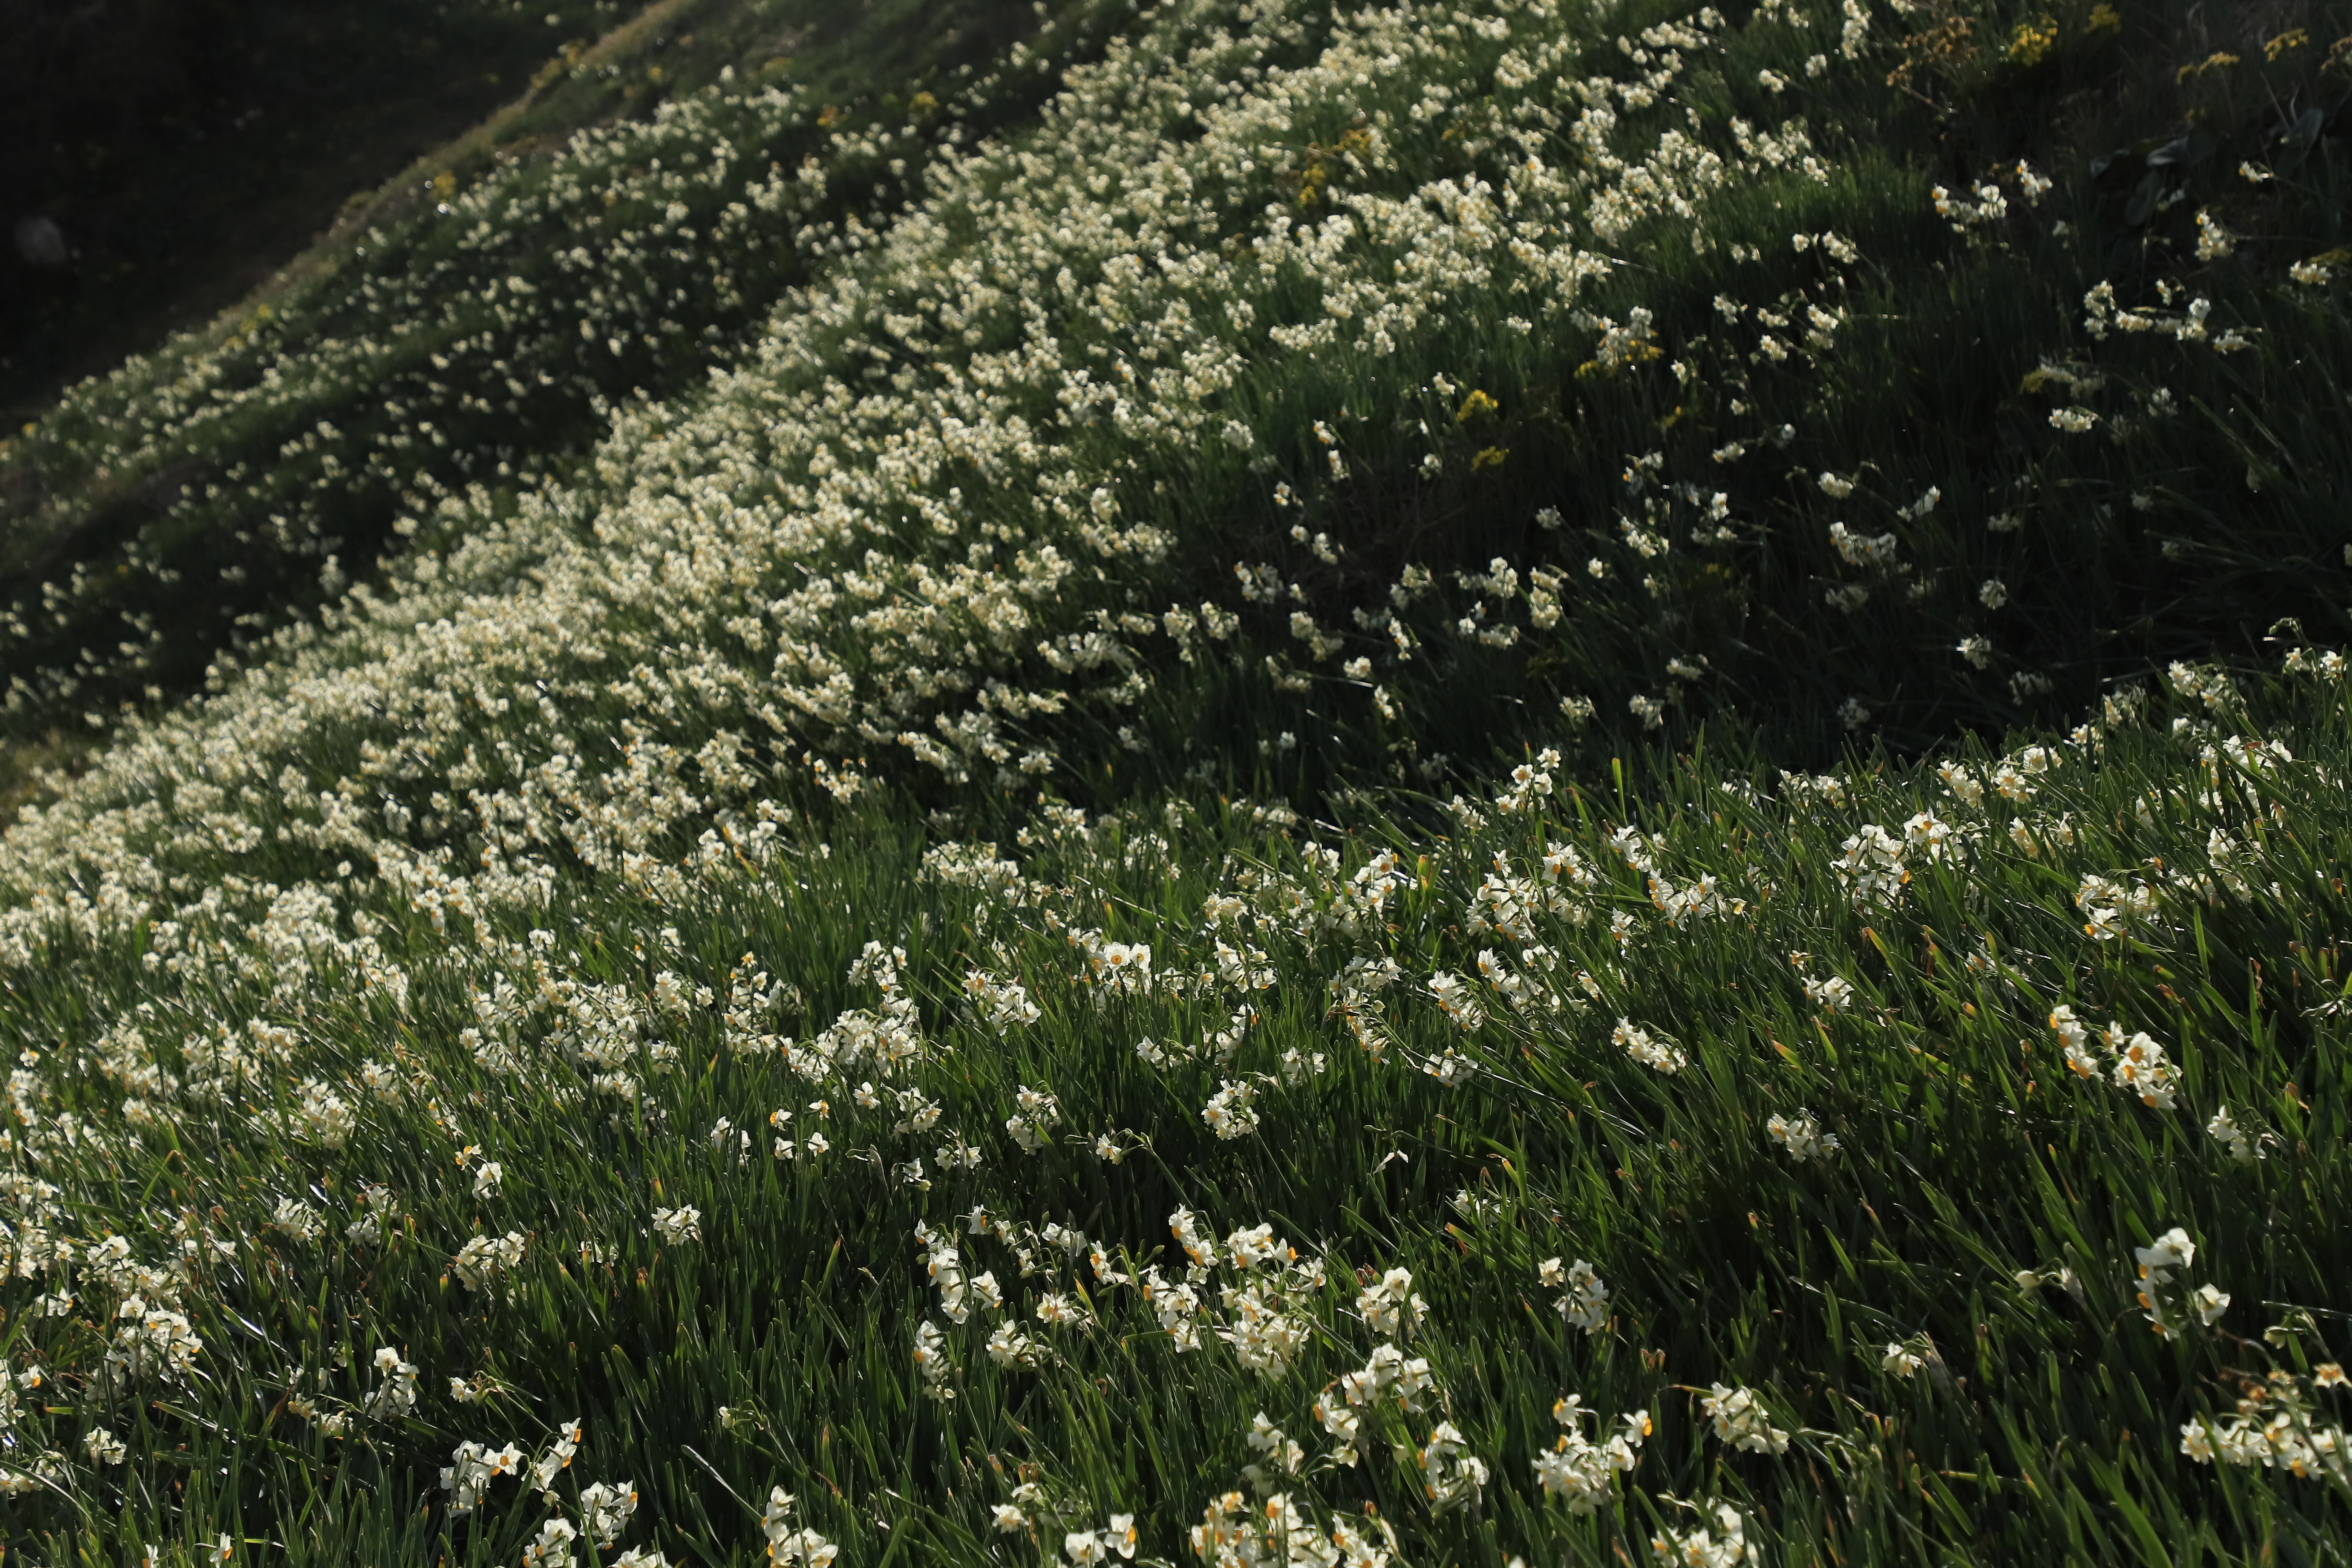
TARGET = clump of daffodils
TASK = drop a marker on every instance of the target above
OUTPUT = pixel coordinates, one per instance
(2134, 1061)
(2279, 1425)
(485, 1260)
(1872, 867)
(794, 1545)
(1583, 1472)
(2110, 907)
(1653, 1051)
(1584, 1299)
(1802, 1136)
(2159, 1264)
(1273, 1529)
(1725, 1545)
(1742, 1420)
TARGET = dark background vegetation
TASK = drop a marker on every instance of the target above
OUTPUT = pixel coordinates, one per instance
(186, 149)
(451, 105)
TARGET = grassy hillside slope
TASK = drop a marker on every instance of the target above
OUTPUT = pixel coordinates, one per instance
(1129, 889)
(836, 1159)
(1693, 415)
(247, 471)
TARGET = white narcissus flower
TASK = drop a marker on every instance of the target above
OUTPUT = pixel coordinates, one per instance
(1585, 1301)
(604, 1510)
(2172, 1250)
(1802, 1136)
(552, 1549)
(1834, 993)
(1742, 1420)
(1652, 1051)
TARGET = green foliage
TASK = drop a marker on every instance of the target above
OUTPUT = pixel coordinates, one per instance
(959, 944)
(773, 1347)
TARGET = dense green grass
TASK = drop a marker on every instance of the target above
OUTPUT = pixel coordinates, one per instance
(2045, 1414)
(1041, 722)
